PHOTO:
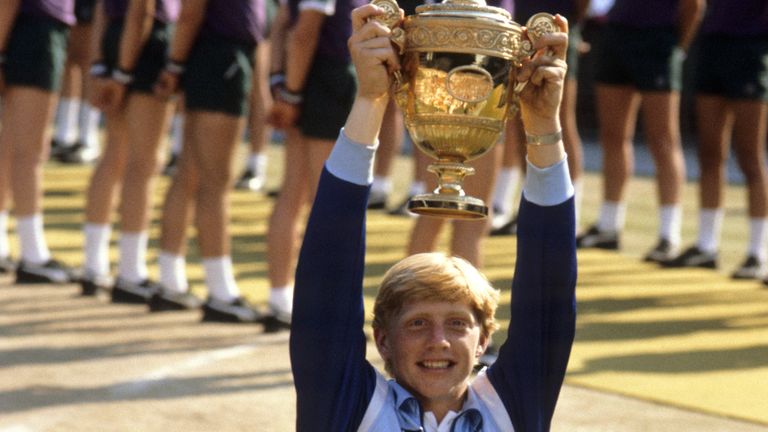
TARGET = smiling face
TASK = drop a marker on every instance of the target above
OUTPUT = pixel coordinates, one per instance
(430, 348)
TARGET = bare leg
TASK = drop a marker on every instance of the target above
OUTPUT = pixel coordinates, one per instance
(749, 134)
(108, 174)
(571, 137)
(212, 140)
(26, 113)
(178, 207)
(305, 158)
(468, 236)
(617, 112)
(662, 126)
(147, 120)
(714, 124)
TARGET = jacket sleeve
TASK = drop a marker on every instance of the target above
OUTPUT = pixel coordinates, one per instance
(532, 362)
(333, 380)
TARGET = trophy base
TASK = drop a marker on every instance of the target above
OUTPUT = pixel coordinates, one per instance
(448, 206)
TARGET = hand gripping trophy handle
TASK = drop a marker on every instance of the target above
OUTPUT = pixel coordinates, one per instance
(454, 88)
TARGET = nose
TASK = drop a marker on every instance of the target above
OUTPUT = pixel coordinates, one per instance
(438, 338)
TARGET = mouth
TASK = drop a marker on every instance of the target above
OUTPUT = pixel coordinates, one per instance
(436, 364)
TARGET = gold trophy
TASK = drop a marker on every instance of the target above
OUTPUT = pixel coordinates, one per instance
(454, 86)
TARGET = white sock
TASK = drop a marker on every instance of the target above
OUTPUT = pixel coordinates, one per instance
(97, 248)
(257, 162)
(173, 272)
(612, 216)
(34, 249)
(5, 248)
(507, 183)
(578, 189)
(281, 299)
(381, 185)
(133, 256)
(710, 226)
(417, 187)
(757, 232)
(89, 125)
(177, 134)
(220, 278)
(65, 129)
(671, 223)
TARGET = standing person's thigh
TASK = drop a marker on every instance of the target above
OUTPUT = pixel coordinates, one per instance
(213, 137)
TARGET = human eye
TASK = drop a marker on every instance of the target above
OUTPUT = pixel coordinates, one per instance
(458, 323)
(417, 323)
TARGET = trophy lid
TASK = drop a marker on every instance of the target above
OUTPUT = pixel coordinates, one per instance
(464, 9)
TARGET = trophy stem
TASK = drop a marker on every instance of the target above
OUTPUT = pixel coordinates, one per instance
(449, 199)
(450, 177)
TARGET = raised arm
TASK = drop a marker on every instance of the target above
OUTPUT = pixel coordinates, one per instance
(333, 381)
(529, 371)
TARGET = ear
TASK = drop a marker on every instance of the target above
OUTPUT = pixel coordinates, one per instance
(382, 343)
(482, 344)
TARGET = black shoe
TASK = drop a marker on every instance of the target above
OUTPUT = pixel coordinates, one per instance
(51, 271)
(509, 228)
(93, 285)
(170, 168)
(7, 265)
(250, 181)
(274, 193)
(134, 293)
(751, 268)
(58, 148)
(236, 311)
(165, 300)
(276, 321)
(662, 252)
(693, 257)
(77, 154)
(377, 201)
(594, 238)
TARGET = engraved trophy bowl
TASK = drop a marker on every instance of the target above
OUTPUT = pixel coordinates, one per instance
(454, 88)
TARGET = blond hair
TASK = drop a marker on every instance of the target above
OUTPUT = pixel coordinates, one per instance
(436, 277)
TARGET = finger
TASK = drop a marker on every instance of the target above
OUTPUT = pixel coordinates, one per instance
(547, 74)
(555, 44)
(362, 14)
(370, 30)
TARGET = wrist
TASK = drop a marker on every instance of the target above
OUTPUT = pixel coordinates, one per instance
(290, 97)
(175, 67)
(545, 139)
(98, 69)
(122, 76)
(541, 126)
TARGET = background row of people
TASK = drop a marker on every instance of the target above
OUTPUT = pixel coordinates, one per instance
(140, 53)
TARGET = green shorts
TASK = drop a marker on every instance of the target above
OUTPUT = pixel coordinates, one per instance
(84, 11)
(328, 97)
(219, 76)
(733, 67)
(35, 54)
(151, 60)
(647, 59)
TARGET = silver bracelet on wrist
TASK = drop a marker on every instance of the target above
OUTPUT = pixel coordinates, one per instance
(122, 76)
(547, 139)
(174, 67)
(98, 69)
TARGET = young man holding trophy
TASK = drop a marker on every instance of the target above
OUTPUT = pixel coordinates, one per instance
(434, 314)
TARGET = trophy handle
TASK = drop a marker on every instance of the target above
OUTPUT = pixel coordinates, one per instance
(391, 19)
(537, 26)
